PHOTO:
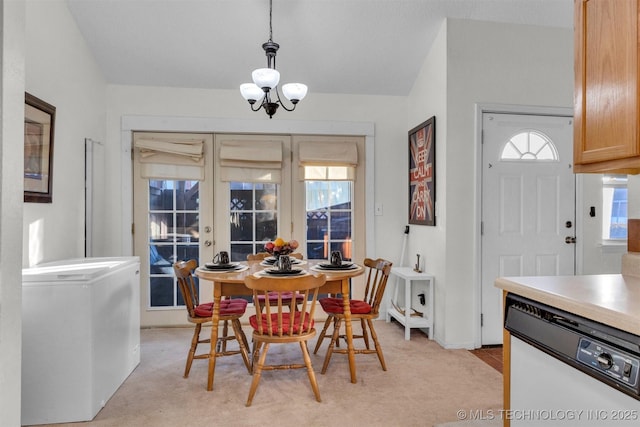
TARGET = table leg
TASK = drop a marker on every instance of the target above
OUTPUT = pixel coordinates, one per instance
(349, 330)
(215, 318)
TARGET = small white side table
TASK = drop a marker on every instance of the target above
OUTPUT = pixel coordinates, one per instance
(426, 321)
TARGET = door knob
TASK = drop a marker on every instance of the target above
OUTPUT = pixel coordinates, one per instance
(207, 242)
(568, 240)
(207, 229)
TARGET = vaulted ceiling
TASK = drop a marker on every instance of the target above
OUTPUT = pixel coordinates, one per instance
(334, 46)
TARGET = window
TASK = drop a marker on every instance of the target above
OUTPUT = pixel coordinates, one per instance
(253, 217)
(328, 169)
(614, 207)
(173, 235)
(529, 145)
(329, 217)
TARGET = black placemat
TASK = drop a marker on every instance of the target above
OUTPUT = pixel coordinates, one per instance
(275, 272)
(343, 266)
(231, 266)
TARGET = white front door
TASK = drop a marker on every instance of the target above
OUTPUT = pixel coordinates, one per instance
(528, 205)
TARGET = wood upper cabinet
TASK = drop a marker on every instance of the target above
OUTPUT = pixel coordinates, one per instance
(606, 98)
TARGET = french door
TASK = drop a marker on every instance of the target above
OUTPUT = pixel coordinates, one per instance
(174, 218)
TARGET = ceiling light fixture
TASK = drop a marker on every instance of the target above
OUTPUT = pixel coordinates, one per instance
(265, 81)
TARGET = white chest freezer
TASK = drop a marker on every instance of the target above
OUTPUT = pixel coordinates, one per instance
(80, 336)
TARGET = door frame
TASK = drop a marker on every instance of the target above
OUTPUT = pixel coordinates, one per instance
(482, 108)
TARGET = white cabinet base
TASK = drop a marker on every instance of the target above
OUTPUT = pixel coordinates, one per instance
(408, 275)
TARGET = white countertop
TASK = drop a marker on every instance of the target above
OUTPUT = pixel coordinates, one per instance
(612, 299)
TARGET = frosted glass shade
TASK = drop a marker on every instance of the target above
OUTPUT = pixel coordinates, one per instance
(294, 92)
(266, 77)
(251, 91)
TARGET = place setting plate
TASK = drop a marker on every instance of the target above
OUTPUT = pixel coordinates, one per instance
(276, 272)
(271, 261)
(326, 266)
(232, 266)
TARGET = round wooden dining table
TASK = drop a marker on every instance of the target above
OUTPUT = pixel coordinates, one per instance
(231, 283)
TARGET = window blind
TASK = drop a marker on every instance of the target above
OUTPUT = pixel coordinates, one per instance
(328, 161)
(251, 161)
(171, 159)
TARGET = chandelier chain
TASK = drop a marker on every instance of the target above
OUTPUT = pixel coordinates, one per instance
(270, 20)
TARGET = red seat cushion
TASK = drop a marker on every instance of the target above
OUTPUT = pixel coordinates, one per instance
(227, 307)
(308, 323)
(335, 306)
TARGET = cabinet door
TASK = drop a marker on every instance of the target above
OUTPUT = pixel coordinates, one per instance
(606, 91)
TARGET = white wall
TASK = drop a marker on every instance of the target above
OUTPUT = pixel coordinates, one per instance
(61, 71)
(485, 63)
(12, 17)
(429, 98)
(43, 54)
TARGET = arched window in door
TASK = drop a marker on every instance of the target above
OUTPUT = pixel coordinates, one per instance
(529, 145)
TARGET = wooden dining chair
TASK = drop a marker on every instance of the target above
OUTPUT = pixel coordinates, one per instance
(258, 256)
(231, 310)
(273, 298)
(367, 309)
(282, 323)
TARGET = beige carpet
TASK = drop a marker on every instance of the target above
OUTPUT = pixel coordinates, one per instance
(425, 385)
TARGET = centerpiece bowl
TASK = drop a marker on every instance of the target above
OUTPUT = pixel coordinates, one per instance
(280, 247)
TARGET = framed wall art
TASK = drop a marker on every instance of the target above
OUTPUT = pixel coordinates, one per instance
(422, 173)
(39, 126)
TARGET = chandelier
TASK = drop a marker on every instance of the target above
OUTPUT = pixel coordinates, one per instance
(263, 92)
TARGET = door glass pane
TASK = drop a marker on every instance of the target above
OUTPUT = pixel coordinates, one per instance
(173, 235)
(529, 145)
(253, 217)
(329, 218)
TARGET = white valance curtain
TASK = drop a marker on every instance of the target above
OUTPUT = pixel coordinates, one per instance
(170, 158)
(251, 161)
(245, 160)
(321, 161)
